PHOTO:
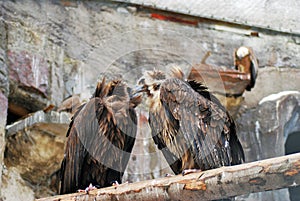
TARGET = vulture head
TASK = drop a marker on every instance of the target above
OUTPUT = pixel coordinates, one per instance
(151, 81)
(150, 84)
(117, 90)
(242, 52)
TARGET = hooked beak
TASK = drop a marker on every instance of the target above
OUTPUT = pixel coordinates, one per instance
(136, 95)
(136, 91)
(139, 89)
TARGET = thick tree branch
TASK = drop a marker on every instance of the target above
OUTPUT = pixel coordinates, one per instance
(270, 174)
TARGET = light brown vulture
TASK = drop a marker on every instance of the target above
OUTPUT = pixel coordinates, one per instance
(246, 62)
(189, 125)
(101, 136)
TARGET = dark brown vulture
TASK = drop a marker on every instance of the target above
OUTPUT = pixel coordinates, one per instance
(189, 125)
(101, 136)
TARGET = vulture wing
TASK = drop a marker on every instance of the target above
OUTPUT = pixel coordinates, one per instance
(196, 129)
(100, 139)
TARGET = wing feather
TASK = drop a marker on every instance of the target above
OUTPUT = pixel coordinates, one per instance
(202, 124)
(157, 126)
(100, 139)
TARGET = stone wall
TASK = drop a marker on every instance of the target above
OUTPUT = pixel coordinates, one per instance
(94, 36)
(33, 154)
(4, 88)
(264, 131)
(51, 50)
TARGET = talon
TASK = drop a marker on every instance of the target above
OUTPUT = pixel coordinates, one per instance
(87, 189)
(115, 183)
(169, 175)
(188, 171)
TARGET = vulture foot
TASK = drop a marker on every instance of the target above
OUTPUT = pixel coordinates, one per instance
(188, 171)
(88, 189)
(169, 175)
(116, 183)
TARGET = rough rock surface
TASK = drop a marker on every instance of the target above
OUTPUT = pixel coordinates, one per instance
(14, 187)
(264, 131)
(29, 71)
(272, 80)
(34, 63)
(4, 90)
(95, 36)
(3, 114)
(35, 148)
(269, 125)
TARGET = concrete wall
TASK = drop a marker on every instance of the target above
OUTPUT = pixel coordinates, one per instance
(87, 38)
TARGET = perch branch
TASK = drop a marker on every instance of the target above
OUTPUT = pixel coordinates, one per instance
(264, 175)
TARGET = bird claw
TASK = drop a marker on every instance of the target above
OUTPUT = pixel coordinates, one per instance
(189, 171)
(116, 183)
(169, 175)
(87, 189)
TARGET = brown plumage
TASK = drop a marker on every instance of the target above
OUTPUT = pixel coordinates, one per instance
(246, 62)
(101, 136)
(189, 125)
(70, 104)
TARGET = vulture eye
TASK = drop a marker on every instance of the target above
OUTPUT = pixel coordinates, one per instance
(156, 86)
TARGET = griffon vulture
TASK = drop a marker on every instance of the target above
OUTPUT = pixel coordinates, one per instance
(101, 136)
(189, 125)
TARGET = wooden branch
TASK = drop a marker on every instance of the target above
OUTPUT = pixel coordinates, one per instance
(270, 174)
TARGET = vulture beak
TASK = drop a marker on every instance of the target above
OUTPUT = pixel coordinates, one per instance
(136, 96)
(138, 89)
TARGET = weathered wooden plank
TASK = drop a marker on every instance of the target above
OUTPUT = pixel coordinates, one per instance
(270, 174)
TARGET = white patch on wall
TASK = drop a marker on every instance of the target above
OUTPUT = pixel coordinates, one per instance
(277, 96)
